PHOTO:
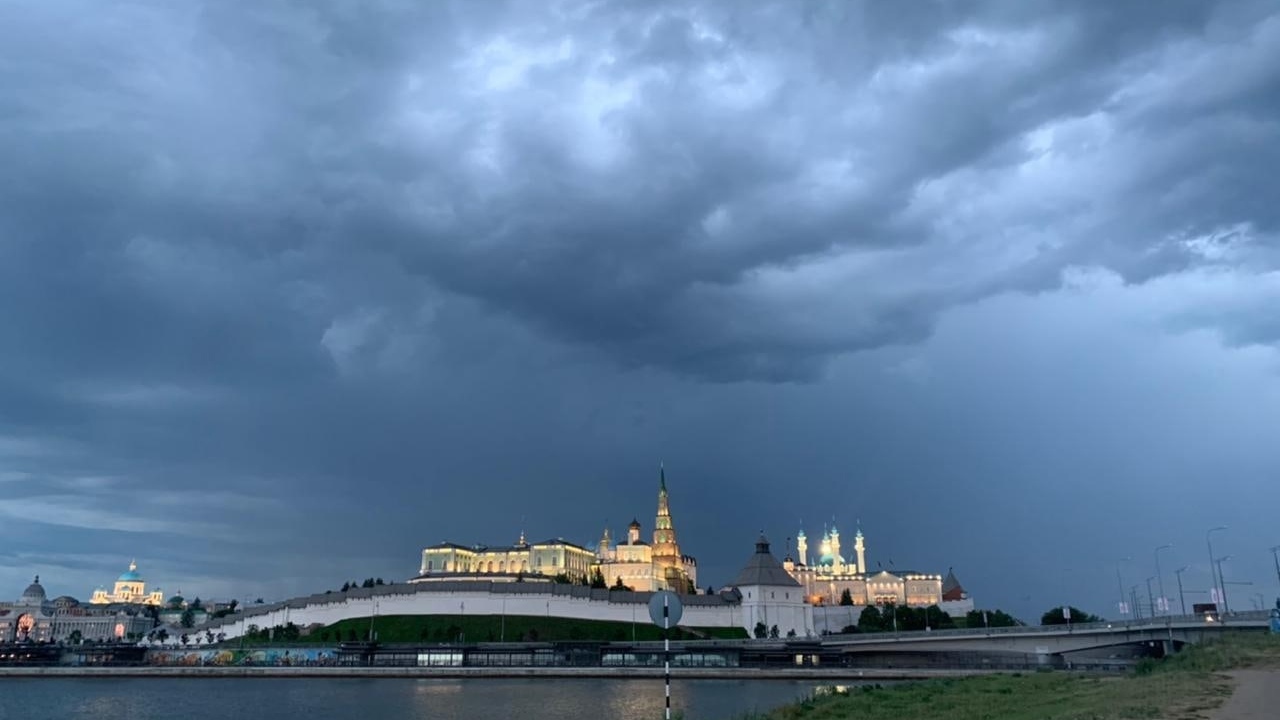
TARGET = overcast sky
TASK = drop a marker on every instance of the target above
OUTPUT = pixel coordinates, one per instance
(289, 290)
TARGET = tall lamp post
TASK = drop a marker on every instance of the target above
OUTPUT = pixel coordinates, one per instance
(1276, 558)
(1182, 600)
(1120, 585)
(1133, 595)
(1160, 577)
(1151, 601)
(1225, 608)
(1213, 576)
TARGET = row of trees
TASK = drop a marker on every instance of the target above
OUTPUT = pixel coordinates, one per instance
(368, 583)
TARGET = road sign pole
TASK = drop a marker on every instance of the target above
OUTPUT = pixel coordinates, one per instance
(666, 652)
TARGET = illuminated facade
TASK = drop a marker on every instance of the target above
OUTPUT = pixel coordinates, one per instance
(639, 565)
(34, 618)
(130, 589)
(644, 567)
(827, 575)
(451, 561)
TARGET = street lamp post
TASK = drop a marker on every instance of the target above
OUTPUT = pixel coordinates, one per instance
(1276, 558)
(1160, 576)
(1213, 576)
(1120, 585)
(1182, 600)
(1225, 607)
(1133, 596)
(1151, 601)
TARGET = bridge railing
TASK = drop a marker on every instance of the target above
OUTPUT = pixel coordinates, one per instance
(1252, 617)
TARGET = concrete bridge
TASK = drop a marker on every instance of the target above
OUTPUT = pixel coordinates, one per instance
(1055, 642)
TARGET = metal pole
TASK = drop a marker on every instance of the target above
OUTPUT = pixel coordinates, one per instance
(1276, 558)
(1120, 586)
(1133, 596)
(1151, 601)
(666, 651)
(1208, 539)
(1181, 598)
(1160, 576)
(1225, 607)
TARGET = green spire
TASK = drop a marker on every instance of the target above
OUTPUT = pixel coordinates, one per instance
(662, 478)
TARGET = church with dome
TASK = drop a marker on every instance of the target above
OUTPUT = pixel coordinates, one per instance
(130, 589)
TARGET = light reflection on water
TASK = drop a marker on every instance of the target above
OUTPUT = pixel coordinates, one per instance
(373, 699)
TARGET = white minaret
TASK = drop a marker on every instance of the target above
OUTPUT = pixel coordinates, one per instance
(837, 562)
(802, 548)
(860, 549)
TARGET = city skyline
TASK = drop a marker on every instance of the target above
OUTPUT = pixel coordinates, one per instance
(287, 294)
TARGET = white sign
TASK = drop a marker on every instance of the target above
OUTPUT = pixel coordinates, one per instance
(1124, 608)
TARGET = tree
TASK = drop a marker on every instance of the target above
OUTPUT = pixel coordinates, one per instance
(791, 633)
(1055, 616)
(761, 631)
(617, 585)
(561, 579)
(188, 618)
(846, 598)
(75, 638)
(597, 580)
(368, 583)
(871, 620)
(233, 605)
(162, 635)
(184, 640)
(711, 590)
(773, 632)
(378, 581)
(195, 604)
(990, 618)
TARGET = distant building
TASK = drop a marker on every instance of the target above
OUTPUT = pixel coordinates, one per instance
(826, 576)
(638, 565)
(130, 589)
(34, 618)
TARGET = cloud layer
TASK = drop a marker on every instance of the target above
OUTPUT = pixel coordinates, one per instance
(265, 270)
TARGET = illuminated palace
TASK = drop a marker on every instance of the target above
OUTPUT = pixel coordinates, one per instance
(633, 563)
(826, 576)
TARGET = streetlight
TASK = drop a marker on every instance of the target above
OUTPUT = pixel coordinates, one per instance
(1181, 598)
(1120, 584)
(1276, 557)
(1225, 608)
(1208, 539)
(1160, 576)
(1151, 601)
(1133, 595)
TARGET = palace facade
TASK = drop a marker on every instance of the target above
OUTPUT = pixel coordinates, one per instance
(633, 563)
(34, 618)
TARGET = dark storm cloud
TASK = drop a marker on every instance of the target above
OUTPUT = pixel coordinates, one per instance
(293, 250)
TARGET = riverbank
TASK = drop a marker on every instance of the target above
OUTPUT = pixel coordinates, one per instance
(834, 676)
(1191, 684)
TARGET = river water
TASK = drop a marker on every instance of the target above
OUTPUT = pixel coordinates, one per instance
(375, 699)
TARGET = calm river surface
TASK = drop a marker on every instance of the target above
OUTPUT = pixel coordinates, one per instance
(374, 699)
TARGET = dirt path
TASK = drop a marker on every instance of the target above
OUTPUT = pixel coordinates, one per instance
(1256, 697)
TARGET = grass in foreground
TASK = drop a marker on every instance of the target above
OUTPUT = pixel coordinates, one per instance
(1186, 686)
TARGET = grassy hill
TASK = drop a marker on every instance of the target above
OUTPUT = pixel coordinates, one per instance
(490, 628)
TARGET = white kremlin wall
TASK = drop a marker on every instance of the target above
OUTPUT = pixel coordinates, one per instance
(484, 598)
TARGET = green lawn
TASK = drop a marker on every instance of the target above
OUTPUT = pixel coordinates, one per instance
(1186, 686)
(490, 628)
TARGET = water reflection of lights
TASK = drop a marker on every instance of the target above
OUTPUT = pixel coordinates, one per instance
(437, 687)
